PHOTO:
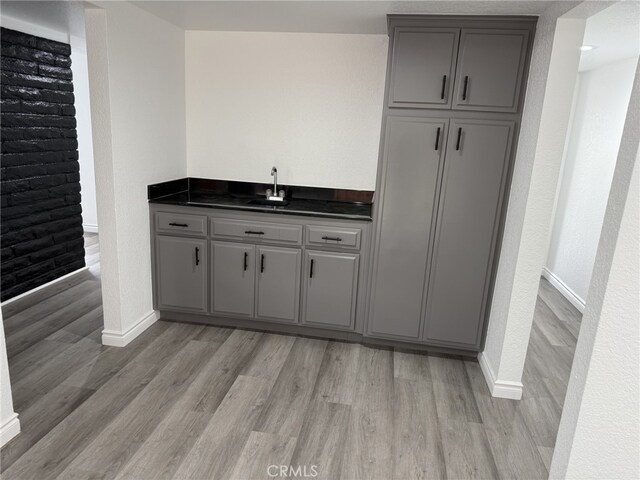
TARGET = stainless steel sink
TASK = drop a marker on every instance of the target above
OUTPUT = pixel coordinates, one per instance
(267, 203)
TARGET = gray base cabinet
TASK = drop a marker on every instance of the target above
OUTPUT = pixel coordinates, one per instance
(278, 285)
(181, 273)
(233, 278)
(330, 286)
(261, 270)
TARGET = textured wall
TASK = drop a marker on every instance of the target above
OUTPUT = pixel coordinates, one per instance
(41, 222)
(311, 104)
(600, 109)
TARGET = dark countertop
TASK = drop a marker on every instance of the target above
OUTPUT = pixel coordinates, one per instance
(166, 194)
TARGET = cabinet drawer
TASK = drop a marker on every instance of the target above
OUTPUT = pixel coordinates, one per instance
(272, 232)
(177, 223)
(333, 236)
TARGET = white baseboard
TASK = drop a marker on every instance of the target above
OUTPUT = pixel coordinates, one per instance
(499, 388)
(9, 429)
(90, 228)
(121, 339)
(43, 286)
(564, 289)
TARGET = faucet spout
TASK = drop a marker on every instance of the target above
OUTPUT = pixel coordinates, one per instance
(275, 197)
(274, 174)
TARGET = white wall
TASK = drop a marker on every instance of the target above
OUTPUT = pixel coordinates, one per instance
(554, 68)
(137, 84)
(601, 103)
(64, 22)
(311, 104)
(9, 423)
(85, 139)
(599, 433)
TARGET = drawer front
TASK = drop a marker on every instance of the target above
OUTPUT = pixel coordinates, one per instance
(272, 232)
(333, 236)
(180, 223)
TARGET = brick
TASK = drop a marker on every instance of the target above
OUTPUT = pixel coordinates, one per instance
(31, 246)
(34, 270)
(36, 94)
(67, 110)
(15, 146)
(47, 253)
(14, 37)
(36, 81)
(30, 120)
(69, 257)
(67, 235)
(53, 47)
(22, 172)
(17, 237)
(42, 108)
(73, 199)
(63, 167)
(35, 158)
(10, 105)
(15, 264)
(20, 210)
(55, 72)
(47, 181)
(24, 222)
(35, 133)
(16, 65)
(62, 61)
(30, 197)
(65, 189)
(6, 254)
(9, 187)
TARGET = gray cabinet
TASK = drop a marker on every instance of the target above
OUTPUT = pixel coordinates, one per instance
(233, 278)
(411, 162)
(330, 287)
(181, 273)
(422, 67)
(468, 217)
(491, 65)
(278, 283)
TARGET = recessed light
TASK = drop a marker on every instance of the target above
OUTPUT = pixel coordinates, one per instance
(586, 48)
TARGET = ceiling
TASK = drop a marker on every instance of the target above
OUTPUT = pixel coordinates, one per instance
(615, 34)
(318, 16)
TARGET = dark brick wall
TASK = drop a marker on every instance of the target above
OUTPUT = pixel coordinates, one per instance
(41, 222)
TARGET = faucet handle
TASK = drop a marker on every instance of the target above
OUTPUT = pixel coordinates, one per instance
(274, 170)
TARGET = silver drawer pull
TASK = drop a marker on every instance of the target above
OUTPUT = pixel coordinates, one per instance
(336, 239)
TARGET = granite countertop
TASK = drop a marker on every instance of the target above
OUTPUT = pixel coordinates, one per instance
(188, 194)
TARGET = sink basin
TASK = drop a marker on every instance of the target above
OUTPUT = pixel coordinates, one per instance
(267, 203)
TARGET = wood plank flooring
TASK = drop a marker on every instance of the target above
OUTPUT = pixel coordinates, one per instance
(189, 401)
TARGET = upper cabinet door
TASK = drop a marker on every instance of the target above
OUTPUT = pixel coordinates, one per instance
(467, 228)
(422, 67)
(181, 273)
(490, 70)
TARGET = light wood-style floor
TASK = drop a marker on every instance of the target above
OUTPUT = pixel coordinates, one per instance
(188, 401)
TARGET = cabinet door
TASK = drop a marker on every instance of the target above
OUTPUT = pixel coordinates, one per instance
(331, 286)
(468, 216)
(410, 169)
(181, 273)
(422, 67)
(490, 69)
(278, 288)
(233, 278)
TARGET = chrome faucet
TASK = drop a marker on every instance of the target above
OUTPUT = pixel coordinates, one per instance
(275, 195)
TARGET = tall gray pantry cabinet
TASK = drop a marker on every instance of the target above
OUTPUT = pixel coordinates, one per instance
(453, 104)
